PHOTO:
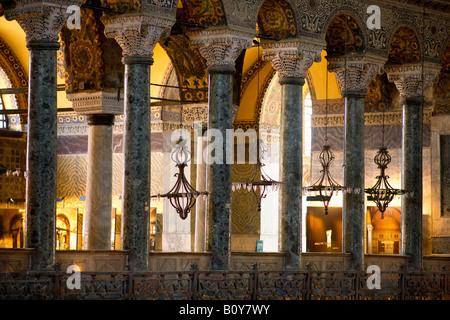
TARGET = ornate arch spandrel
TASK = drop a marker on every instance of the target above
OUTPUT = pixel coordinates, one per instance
(15, 72)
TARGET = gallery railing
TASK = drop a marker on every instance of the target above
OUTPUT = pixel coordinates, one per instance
(247, 285)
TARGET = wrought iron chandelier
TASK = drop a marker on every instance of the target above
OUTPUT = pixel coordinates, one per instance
(260, 180)
(182, 196)
(326, 186)
(382, 193)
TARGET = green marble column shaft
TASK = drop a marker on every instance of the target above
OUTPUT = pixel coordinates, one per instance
(136, 175)
(291, 170)
(219, 174)
(353, 207)
(412, 181)
(41, 156)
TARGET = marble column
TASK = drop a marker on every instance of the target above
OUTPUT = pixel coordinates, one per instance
(97, 233)
(99, 107)
(353, 205)
(41, 24)
(220, 48)
(408, 80)
(291, 60)
(41, 154)
(412, 204)
(137, 35)
(355, 73)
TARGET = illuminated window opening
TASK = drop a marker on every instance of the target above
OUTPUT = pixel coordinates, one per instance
(3, 119)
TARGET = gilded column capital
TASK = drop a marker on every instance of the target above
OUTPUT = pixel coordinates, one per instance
(137, 34)
(221, 47)
(41, 20)
(292, 59)
(355, 71)
(408, 77)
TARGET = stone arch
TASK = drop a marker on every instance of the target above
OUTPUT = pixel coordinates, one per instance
(15, 72)
(404, 46)
(346, 23)
(277, 19)
(404, 23)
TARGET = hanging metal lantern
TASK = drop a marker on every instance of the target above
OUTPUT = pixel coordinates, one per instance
(382, 193)
(325, 187)
(182, 196)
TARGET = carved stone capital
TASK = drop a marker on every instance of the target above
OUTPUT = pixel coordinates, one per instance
(41, 20)
(292, 59)
(96, 102)
(356, 71)
(408, 78)
(137, 34)
(221, 47)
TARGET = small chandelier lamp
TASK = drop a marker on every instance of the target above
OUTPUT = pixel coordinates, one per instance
(382, 193)
(325, 186)
(182, 196)
(260, 180)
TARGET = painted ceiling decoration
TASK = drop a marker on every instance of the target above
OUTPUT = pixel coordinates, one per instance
(276, 20)
(122, 5)
(379, 95)
(92, 61)
(404, 47)
(344, 36)
(190, 68)
(204, 12)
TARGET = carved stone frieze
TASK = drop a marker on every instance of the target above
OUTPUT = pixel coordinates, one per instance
(355, 72)
(408, 77)
(370, 119)
(41, 20)
(136, 34)
(221, 47)
(292, 59)
(195, 113)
